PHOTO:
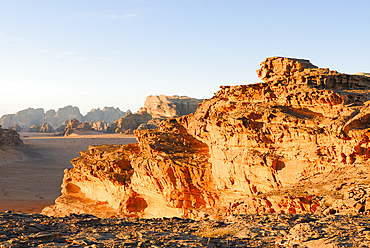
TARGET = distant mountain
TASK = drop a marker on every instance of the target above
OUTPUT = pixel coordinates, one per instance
(28, 117)
(110, 119)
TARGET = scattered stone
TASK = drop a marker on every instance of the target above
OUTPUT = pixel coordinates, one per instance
(266, 230)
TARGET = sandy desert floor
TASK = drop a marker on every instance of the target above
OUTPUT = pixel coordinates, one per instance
(30, 178)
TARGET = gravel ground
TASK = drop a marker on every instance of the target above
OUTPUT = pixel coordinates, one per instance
(270, 230)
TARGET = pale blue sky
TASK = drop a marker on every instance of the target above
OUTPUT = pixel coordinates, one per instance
(93, 54)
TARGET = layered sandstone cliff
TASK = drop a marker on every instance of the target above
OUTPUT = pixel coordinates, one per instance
(291, 144)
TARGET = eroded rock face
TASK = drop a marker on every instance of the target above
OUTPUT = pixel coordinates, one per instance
(246, 150)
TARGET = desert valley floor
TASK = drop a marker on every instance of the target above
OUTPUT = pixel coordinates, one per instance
(31, 177)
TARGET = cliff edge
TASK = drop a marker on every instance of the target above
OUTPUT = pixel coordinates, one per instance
(296, 143)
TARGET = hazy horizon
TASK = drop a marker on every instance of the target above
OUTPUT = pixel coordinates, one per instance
(115, 53)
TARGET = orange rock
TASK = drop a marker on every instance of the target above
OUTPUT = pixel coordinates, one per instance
(243, 151)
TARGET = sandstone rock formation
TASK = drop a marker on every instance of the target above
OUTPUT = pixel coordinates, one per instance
(44, 128)
(296, 143)
(24, 118)
(107, 114)
(129, 122)
(66, 113)
(100, 126)
(15, 127)
(9, 138)
(62, 126)
(75, 125)
(170, 106)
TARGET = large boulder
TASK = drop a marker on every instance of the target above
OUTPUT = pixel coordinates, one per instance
(297, 143)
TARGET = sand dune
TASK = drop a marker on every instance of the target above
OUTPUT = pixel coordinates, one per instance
(30, 178)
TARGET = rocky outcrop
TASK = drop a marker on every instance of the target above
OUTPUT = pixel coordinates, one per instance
(66, 113)
(129, 122)
(296, 143)
(100, 126)
(9, 139)
(15, 127)
(107, 114)
(75, 125)
(170, 106)
(44, 128)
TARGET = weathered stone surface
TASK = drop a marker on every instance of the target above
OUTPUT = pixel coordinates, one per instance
(262, 148)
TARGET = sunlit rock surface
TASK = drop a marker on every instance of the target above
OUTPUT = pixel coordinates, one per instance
(296, 143)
